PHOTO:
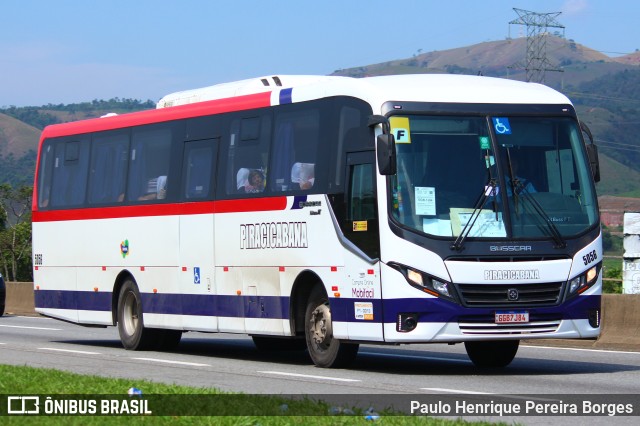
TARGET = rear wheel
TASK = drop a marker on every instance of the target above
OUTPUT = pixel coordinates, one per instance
(492, 354)
(133, 334)
(324, 349)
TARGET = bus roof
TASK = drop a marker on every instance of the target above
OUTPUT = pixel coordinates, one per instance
(275, 90)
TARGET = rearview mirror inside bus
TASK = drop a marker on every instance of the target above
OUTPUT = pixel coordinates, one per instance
(386, 148)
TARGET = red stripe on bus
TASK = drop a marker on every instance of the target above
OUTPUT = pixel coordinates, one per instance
(208, 207)
(199, 109)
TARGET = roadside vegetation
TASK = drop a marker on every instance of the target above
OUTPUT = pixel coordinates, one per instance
(612, 263)
(22, 380)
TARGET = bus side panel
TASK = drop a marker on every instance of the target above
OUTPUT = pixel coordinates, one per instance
(196, 277)
(229, 303)
(55, 272)
(55, 294)
(151, 256)
(263, 310)
(357, 312)
(94, 294)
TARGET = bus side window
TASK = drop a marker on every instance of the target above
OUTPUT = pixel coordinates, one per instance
(197, 168)
(71, 164)
(109, 157)
(149, 164)
(248, 154)
(295, 149)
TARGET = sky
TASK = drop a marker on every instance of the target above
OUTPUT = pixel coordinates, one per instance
(67, 51)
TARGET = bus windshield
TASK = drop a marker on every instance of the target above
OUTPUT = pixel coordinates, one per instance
(492, 177)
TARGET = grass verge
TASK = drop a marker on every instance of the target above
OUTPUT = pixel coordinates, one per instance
(22, 380)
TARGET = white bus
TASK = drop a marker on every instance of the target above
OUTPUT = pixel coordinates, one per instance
(326, 212)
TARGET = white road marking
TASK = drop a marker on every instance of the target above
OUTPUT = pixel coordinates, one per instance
(71, 351)
(468, 392)
(31, 328)
(39, 317)
(166, 361)
(307, 376)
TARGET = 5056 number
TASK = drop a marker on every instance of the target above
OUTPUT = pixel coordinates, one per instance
(590, 257)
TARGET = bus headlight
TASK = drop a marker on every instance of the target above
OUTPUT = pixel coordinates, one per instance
(426, 283)
(583, 281)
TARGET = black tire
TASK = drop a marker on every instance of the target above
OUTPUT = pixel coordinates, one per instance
(275, 344)
(133, 334)
(324, 350)
(492, 354)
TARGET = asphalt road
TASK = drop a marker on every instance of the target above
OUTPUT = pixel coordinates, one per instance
(232, 363)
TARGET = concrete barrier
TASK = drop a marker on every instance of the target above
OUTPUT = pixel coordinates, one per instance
(19, 299)
(620, 319)
(620, 322)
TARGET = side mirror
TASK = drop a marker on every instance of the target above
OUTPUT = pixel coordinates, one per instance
(592, 153)
(594, 162)
(386, 150)
(385, 146)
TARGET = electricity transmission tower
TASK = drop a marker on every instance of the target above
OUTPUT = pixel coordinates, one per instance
(537, 63)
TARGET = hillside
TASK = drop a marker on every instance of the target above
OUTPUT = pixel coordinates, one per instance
(494, 58)
(606, 92)
(16, 137)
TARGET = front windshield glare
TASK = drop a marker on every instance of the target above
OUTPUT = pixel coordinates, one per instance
(532, 174)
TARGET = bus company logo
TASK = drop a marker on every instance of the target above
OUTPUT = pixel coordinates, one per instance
(511, 275)
(273, 235)
(124, 248)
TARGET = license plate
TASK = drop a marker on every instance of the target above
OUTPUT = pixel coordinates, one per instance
(512, 317)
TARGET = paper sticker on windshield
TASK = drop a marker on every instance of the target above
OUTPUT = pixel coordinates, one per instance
(425, 200)
(501, 125)
(400, 129)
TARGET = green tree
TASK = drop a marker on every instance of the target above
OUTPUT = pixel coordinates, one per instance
(15, 232)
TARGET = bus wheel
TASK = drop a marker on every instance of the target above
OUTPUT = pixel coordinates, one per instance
(492, 354)
(274, 344)
(133, 334)
(325, 351)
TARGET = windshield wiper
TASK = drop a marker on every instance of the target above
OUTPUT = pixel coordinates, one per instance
(520, 190)
(489, 190)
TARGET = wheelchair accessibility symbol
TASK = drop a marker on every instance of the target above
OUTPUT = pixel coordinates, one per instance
(502, 126)
(196, 275)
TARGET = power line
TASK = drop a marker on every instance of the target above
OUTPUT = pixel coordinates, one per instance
(537, 63)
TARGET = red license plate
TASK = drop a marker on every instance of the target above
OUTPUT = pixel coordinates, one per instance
(512, 317)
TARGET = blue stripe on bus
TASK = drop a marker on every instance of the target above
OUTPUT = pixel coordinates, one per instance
(277, 307)
(273, 307)
(440, 310)
(285, 96)
(297, 201)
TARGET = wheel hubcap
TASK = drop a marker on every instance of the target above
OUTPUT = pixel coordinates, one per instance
(320, 325)
(130, 319)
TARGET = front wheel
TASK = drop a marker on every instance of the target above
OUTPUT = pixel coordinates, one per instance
(492, 354)
(324, 349)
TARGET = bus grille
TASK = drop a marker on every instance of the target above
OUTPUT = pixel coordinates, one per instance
(534, 327)
(498, 295)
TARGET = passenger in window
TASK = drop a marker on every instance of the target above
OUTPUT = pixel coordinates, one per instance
(255, 182)
(156, 189)
(303, 175)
